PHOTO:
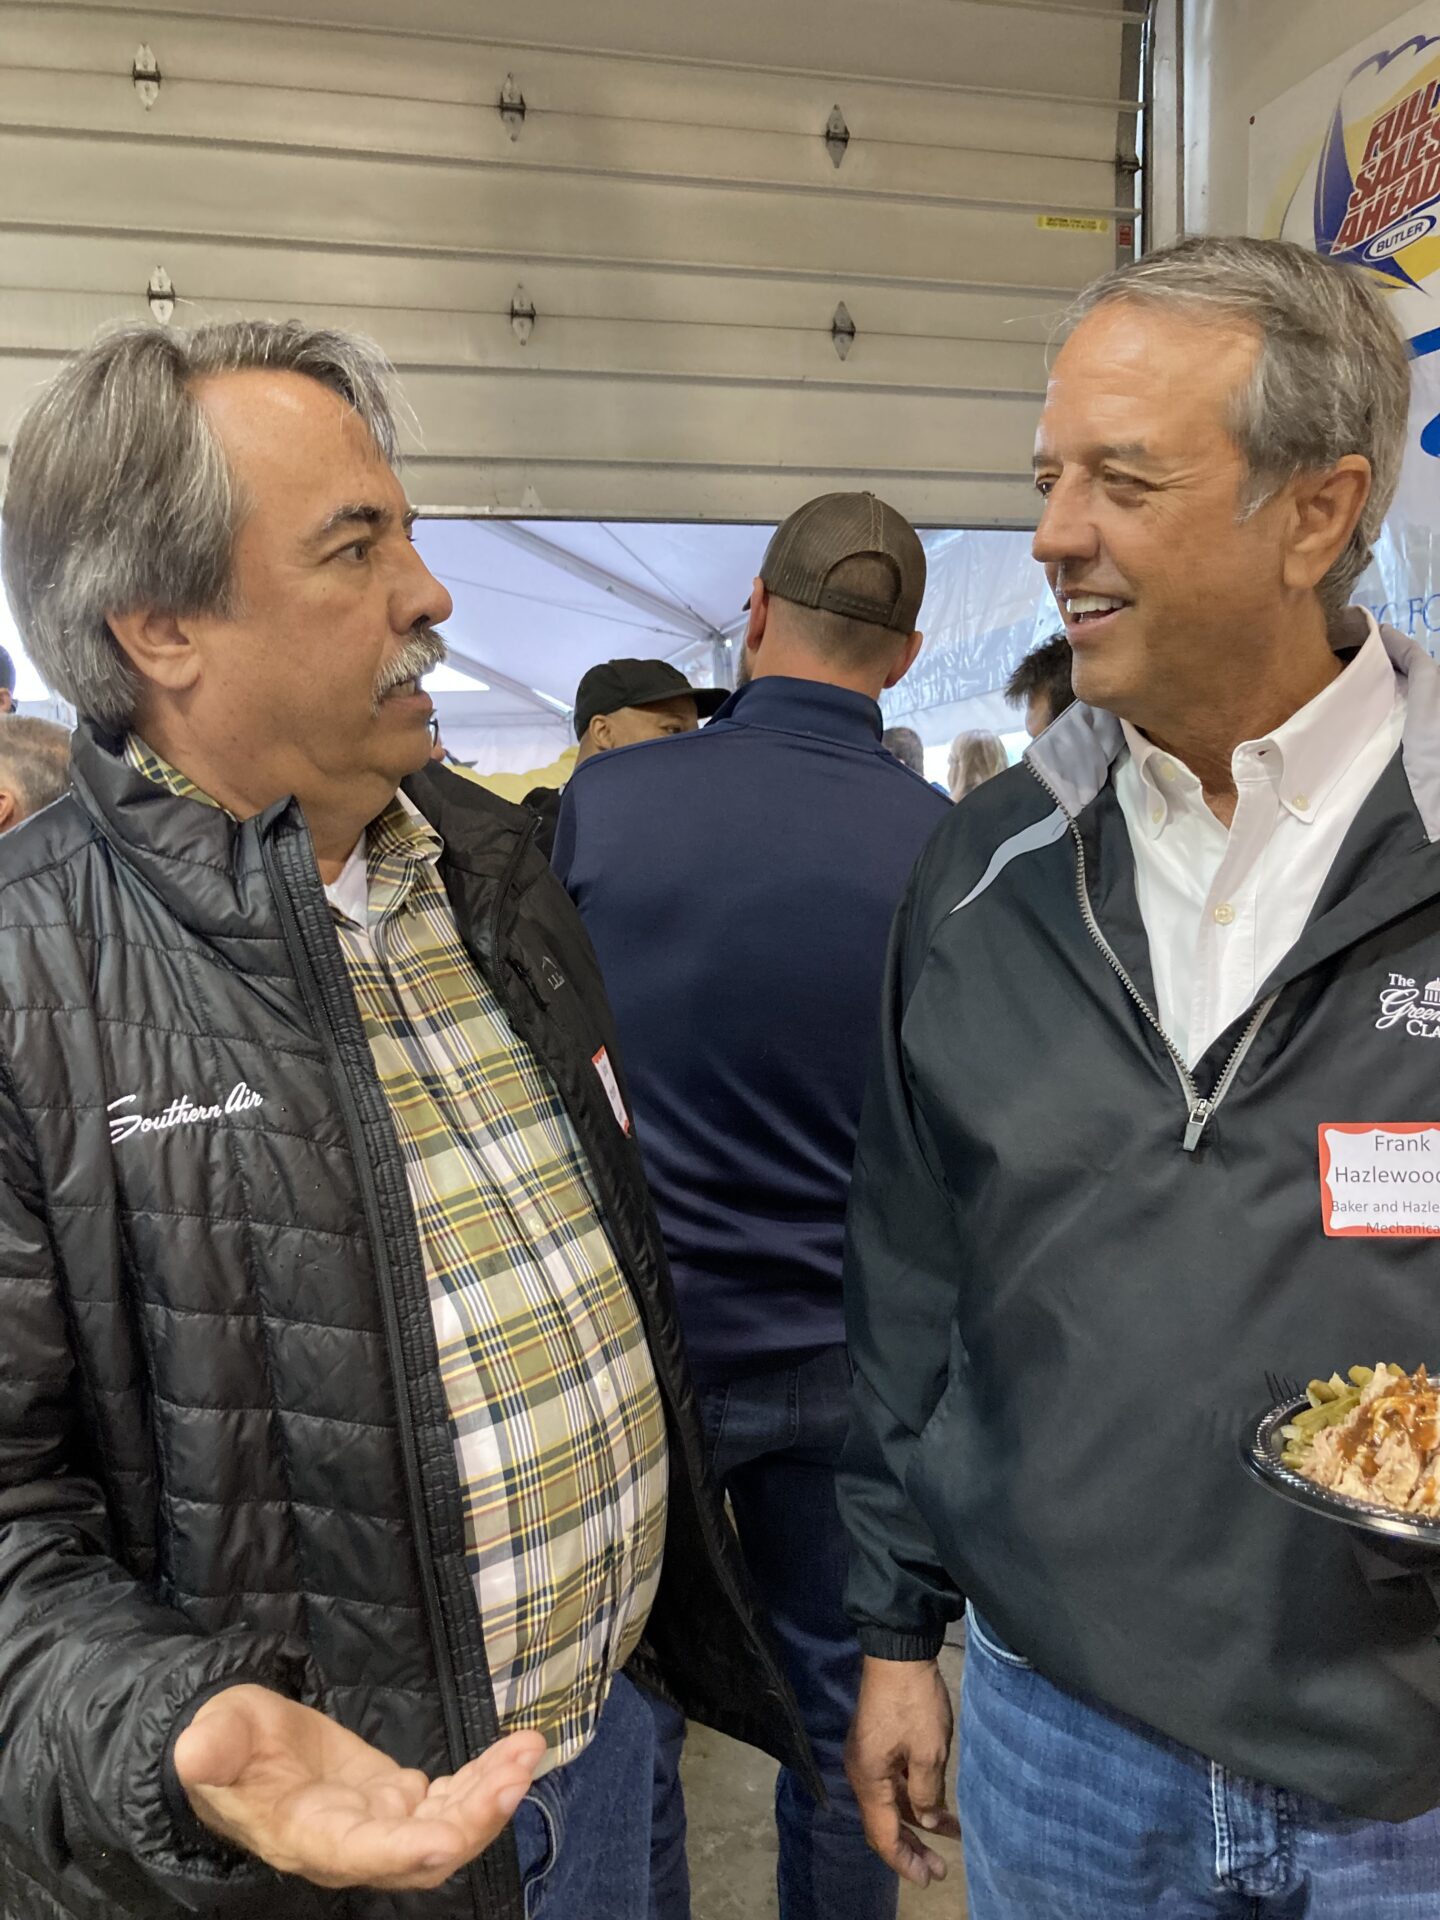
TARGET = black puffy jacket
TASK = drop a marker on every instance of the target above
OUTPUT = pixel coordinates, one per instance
(224, 1446)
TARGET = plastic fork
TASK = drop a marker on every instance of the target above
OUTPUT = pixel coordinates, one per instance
(1282, 1387)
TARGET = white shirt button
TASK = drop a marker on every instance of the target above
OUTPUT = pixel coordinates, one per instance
(1157, 814)
(1224, 914)
(1300, 801)
(1167, 770)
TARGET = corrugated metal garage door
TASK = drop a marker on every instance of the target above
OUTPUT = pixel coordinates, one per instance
(667, 204)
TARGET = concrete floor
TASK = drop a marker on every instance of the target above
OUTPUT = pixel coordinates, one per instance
(729, 1797)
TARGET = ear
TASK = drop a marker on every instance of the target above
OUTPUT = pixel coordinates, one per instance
(7, 700)
(9, 809)
(905, 659)
(158, 647)
(1325, 508)
(601, 733)
(759, 615)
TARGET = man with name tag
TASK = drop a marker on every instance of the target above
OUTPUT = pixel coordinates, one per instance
(1154, 1114)
(349, 1470)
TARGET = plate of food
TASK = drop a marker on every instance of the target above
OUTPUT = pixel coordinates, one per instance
(1363, 1449)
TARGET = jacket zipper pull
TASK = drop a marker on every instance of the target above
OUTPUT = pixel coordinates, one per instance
(1195, 1125)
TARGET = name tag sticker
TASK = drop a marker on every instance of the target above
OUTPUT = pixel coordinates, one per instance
(1378, 1180)
(601, 1061)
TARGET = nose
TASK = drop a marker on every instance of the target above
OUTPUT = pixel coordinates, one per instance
(1066, 533)
(420, 599)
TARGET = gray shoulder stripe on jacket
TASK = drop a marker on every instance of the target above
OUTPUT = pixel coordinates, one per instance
(1042, 833)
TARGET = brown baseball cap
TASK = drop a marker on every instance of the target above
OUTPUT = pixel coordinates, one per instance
(823, 534)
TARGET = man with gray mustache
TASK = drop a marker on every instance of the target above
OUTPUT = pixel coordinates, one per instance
(349, 1471)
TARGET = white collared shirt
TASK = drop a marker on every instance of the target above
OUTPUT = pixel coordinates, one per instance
(1222, 906)
(349, 891)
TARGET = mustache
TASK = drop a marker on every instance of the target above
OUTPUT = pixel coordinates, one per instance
(423, 651)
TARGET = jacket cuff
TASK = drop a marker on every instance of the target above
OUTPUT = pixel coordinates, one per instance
(191, 1832)
(881, 1643)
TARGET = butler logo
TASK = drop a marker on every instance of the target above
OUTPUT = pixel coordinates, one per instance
(1400, 173)
(1348, 162)
(1377, 178)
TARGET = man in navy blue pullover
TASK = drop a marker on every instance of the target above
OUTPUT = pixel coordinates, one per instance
(739, 884)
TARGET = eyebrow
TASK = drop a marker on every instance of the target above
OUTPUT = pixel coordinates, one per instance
(1135, 450)
(360, 513)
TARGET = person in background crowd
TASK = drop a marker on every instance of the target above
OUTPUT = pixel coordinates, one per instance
(1041, 684)
(618, 704)
(340, 1358)
(7, 682)
(738, 885)
(1132, 984)
(34, 767)
(974, 759)
(907, 747)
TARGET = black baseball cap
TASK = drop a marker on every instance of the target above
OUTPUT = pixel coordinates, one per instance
(638, 683)
(823, 534)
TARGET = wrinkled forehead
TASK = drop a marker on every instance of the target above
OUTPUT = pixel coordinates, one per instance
(298, 452)
(1143, 376)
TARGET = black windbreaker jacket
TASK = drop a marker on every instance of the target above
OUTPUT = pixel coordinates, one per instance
(224, 1447)
(1071, 1263)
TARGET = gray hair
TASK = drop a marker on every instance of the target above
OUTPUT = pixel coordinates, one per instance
(1332, 376)
(34, 760)
(120, 496)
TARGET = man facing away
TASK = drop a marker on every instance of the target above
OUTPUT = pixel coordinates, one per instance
(1133, 982)
(340, 1358)
(619, 703)
(1041, 684)
(34, 767)
(738, 884)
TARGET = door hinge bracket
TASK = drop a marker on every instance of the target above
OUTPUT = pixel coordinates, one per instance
(145, 72)
(842, 330)
(512, 106)
(161, 295)
(837, 135)
(522, 315)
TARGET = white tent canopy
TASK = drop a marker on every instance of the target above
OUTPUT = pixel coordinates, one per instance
(536, 603)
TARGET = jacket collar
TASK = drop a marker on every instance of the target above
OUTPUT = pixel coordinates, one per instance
(1074, 756)
(806, 706)
(210, 870)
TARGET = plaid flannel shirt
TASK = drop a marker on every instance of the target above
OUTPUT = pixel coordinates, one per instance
(559, 1430)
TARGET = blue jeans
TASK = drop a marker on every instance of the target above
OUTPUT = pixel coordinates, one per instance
(583, 1831)
(773, 1442)
(1073, 1812)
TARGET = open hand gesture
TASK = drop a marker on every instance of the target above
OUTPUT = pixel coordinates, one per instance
(294, 1787)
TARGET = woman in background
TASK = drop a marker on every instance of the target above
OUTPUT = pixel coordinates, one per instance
(974, 759)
